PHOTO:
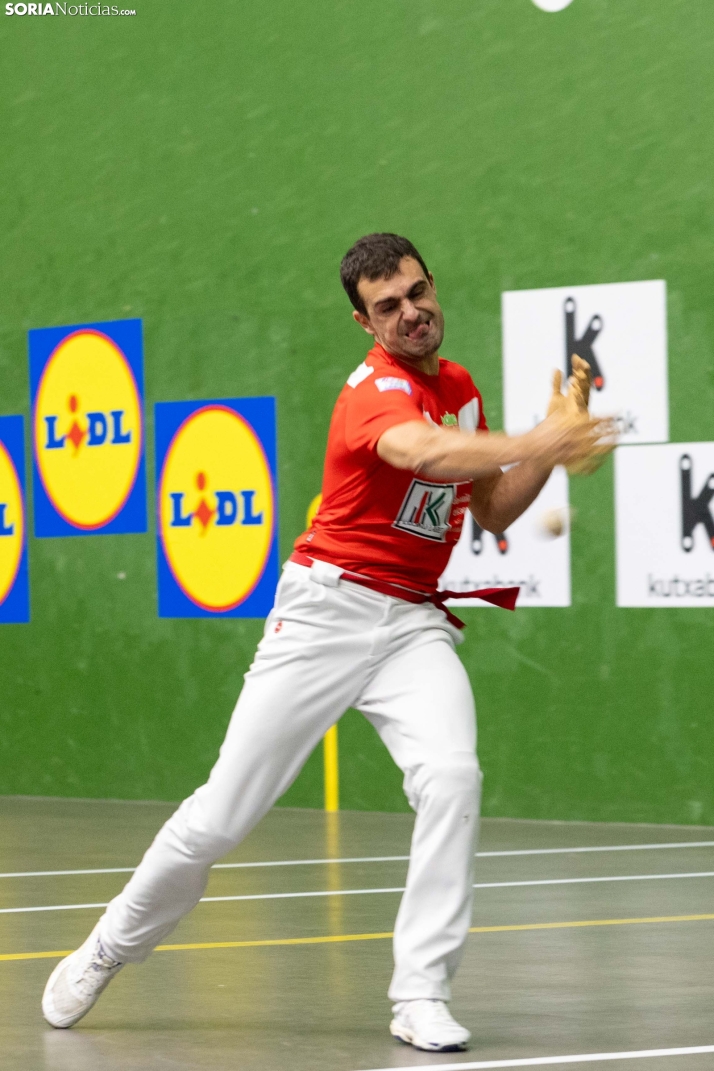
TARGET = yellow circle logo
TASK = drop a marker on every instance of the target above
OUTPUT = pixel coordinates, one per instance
(88, 429)
(12, 524)
(216, 508)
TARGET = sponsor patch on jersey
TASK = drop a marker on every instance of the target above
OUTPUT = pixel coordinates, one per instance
(393, 383)
(426, 510)
(88, 433)
(216, 505)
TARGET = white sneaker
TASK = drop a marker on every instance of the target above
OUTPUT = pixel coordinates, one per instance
(77, 981)
(429, 1025)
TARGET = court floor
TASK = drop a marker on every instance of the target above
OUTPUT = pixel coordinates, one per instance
(590, 941)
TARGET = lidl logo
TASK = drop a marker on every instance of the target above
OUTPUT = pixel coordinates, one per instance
(14, 595)
(216, 503)
(88, 433)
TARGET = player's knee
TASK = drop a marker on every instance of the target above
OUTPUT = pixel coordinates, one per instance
(456, 775)
(195, 835)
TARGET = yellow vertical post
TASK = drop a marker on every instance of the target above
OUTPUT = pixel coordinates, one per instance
(335, 904)
(331, 758)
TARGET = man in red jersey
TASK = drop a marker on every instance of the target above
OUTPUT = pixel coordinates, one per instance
(356, 622)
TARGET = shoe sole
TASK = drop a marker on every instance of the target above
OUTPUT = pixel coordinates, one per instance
(408, 1037)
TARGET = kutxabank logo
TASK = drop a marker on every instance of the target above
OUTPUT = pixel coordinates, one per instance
(14, 591)
(665, 525)
(216, 503)
(695, 508)
(88, 434)
(620, 329)
(477, 536)
(583, 346)
(521, 556)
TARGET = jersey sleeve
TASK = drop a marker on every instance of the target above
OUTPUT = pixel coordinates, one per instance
(482, 423)
(376, 405)
(471, 415)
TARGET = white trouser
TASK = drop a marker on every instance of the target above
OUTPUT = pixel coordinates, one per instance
(329, 645)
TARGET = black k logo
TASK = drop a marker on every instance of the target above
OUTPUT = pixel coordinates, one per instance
(477, 539)
(582, 346)
(695, 510)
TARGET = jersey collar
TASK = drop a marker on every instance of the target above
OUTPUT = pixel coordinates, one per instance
(380, 353)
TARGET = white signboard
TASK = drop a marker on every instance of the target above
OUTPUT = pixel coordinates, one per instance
(619, 328)
(664, 502)
(526, 554)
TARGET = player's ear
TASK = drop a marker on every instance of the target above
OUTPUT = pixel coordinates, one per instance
(363, 321)
(430, 277)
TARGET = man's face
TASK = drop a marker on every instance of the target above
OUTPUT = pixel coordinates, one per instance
(403, 313)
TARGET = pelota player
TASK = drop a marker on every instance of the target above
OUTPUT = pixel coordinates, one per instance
(408, 453)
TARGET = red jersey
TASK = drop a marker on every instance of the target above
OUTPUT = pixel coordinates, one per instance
(391, 524)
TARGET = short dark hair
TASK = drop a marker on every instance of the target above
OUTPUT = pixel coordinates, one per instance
(376, 256)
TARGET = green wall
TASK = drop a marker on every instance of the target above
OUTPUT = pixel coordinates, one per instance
(204, 167)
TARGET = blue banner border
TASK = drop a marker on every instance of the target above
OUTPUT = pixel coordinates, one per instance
(15, 607)
(42, 342)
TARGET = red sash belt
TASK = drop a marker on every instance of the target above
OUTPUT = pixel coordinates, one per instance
(503, 597)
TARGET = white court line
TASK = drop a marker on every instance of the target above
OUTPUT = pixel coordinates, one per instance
(369, 892)
(601, 848)
(217, 899)
(379, 858)
(54, 907)
(216, 866)
(551, 1061)
(587, 881)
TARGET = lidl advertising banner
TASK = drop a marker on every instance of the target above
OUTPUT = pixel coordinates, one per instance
(14, 592)
(86, 384)
(534, 553)
(217, 507)
(620, 329)
(664, 498)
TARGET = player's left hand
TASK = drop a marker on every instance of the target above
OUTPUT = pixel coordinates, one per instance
(579, 384)
(575, 402)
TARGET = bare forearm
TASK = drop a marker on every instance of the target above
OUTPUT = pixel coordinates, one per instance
(499, 501)
(448, 455)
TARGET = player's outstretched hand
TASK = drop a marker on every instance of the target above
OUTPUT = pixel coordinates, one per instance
(557, 398)
(579, 384)
(578, 441)
(575, 402)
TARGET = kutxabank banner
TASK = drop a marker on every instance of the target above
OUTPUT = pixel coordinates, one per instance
(665, 525)
(86, 386)
(620, 329)
(216, 499)
(14, 588)
(527, 554)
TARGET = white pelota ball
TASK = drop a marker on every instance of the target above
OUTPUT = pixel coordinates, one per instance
(552, 5)
(554, 523)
